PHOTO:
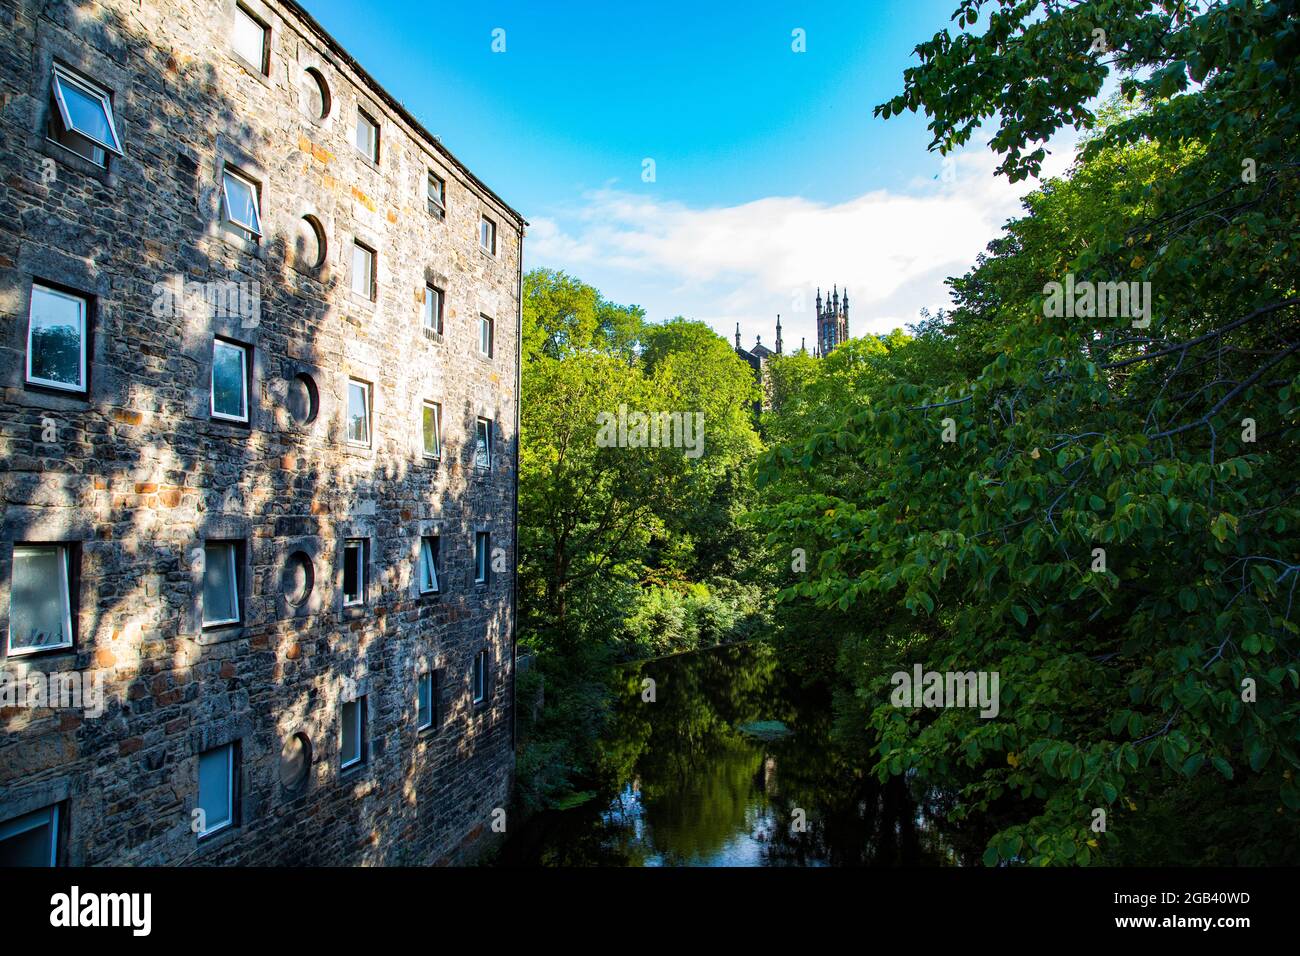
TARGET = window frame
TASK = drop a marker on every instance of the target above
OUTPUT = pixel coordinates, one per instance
(65, 584)
(373, 155)
(486, 321)
(486, 425)
(478, 677)
(436, 315)
(366, 390)
(246, 391)
(488, 226)
(40, 817)
(421, 679)
(264, 67)
(252, 230)
(370, 294)
(83, 302)
(62, 73)
(436, 207)
(483, 558)
(361, 546)
(231, 791)
(359, 702)
(232, 552)
(434, 555)
(436, 454)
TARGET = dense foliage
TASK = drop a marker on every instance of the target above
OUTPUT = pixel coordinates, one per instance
(1099, 508)
(626, 552)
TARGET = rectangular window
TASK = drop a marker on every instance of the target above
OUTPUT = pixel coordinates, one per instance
(487, 235)
(358, 413)
(424, 697)
(481, 548)
(432, 428)
(216, 789)
(367, 136)
(31, 839)
(220, 583)
(354, 572)
(241, 198)
(433, 300)
(483, 444)
(249, 39)
(480, 676)
(436, 191)
(229, 381)
(40, 598)
(485, 324)
(56, 339)
(429, 564)
(363, 271)
(352, 748)
(81, 118)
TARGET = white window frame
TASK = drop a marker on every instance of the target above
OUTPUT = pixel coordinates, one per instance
(254, 228)
(62, 551)
(62, 76)
(478, 677)
(420, 680)
(360, 548)
(212, 382)
(230, 793)
(430, 313)
(487, 328)
(487, 229)
(486, 423)
(430, 563)
(359, 703)
(435, 455)
(263, 67)
(482, 559)
(44, 817)
(373, 123)
(232, 555)
(83, 309)
(373, 260)
(365, 388)
(439, 205)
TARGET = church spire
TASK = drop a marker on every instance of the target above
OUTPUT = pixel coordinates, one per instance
(737, 335)
(778, 333)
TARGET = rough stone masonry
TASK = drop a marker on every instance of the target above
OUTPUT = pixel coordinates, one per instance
(122, 491)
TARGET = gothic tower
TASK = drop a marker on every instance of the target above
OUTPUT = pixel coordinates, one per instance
(832, 322)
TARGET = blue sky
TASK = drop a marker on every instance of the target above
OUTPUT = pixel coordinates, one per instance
(771, 176)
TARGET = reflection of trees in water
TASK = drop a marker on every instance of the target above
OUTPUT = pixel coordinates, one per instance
(702, 781)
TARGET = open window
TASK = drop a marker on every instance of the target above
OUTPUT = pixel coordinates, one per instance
(429, 564)
(242, 200)
(81, 117)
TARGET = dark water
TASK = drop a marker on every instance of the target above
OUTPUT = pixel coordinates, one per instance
(682, 784)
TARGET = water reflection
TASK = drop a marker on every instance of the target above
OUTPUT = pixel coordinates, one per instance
(682, 784)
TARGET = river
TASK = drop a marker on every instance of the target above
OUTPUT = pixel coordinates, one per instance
(728, 759)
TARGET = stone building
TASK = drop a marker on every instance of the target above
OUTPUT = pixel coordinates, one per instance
(259, 359)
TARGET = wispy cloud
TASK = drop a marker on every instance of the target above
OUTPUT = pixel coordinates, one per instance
(748, 262)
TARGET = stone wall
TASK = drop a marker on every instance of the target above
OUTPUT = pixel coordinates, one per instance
(136, 474)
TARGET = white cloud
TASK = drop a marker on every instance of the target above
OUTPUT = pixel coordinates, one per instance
(746, 263)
